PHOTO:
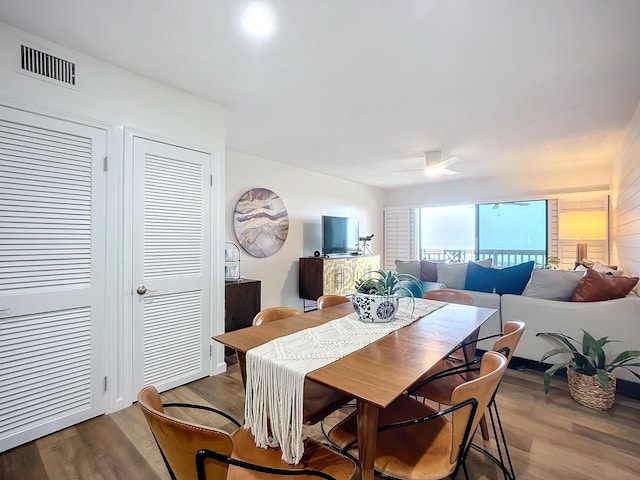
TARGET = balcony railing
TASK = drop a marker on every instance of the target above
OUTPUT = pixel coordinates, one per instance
(503, 258)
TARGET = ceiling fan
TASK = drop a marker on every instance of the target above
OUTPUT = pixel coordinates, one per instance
(517, 204)
(435, 165)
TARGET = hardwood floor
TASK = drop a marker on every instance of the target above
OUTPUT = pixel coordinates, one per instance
(550, 437)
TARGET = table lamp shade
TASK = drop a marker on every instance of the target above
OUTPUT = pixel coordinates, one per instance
(583, 225)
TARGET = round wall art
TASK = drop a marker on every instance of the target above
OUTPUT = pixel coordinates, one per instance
(261, 222)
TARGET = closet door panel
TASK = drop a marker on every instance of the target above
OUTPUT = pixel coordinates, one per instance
(52, 217)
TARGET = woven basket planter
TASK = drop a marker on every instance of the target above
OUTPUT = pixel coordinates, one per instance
(587, 390)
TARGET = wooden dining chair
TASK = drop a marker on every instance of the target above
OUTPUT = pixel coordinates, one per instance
(415, 440)
(467, 352)
(449, 296)
(274, 313)
(319, 401)
(326, 301)
(192, 451)
(439, 386)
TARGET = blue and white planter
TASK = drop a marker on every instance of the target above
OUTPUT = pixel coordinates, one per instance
(375, 308)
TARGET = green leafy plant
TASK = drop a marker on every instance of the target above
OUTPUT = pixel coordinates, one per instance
(553, 261)
(386, 283)
(588, 358)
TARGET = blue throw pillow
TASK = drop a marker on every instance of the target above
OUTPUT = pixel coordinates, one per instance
(480, 279)
(514, 279)
(413, 287)
(505, 280)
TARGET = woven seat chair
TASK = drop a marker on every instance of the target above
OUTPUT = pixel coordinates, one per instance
(415, 440)
(326, 301)
(319, 401)
(439, 386)
(191, 451)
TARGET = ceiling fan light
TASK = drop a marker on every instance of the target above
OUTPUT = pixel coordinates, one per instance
(433, 172)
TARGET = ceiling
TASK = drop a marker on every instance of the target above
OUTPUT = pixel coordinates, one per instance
(360, 88)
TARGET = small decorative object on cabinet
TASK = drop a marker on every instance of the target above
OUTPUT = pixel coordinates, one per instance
(590, 377)
(231, 262)
(242, 303)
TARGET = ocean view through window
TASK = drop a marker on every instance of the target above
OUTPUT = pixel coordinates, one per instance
(509, 233)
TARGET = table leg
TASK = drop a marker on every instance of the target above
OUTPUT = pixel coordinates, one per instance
(242, 361)
(367, 437)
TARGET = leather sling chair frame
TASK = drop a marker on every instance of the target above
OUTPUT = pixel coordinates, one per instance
(438, 388)
(418, 441)
(191, 451)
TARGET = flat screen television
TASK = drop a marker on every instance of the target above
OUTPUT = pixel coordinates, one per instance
(340, 235)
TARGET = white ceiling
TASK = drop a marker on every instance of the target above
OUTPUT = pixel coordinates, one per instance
(359, 88)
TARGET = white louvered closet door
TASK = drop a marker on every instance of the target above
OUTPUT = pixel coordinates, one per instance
(171, 264)
(52, 285)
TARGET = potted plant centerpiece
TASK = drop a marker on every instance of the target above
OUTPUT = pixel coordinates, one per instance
(590, 377)
(376, 298)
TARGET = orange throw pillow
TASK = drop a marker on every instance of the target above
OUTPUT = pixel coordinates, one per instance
(595, 286)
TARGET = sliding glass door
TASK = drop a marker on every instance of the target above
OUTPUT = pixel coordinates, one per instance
(512, 233)
(509, 233)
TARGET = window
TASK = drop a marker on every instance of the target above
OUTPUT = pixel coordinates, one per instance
(447, 233)
(509, 233)
(513, 233)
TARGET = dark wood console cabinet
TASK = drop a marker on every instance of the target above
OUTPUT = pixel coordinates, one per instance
(241, 303)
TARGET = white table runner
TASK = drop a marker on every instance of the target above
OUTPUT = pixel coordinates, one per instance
(276, 372)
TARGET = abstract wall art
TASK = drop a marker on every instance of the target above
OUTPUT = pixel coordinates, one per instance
(261, 222)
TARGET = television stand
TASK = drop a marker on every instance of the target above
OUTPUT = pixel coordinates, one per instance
(333, 275)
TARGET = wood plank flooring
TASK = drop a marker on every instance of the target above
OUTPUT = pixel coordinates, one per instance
(550, 437)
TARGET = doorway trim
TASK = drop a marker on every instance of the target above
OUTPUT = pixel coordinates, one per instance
(123, 332)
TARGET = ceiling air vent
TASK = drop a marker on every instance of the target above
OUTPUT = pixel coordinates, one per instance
(47, 66)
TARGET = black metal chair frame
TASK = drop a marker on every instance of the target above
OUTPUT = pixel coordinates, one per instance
(492, 408)
(203, 454)
(472, 402)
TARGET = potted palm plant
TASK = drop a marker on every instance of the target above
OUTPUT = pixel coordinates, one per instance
(591, 379)
(376, 298)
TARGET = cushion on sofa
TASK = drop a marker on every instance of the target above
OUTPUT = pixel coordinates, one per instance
(428, 271)
(480, 279)
(515, 278)
(552, 284)
(601, 268)
(414, 287)
(454, 275)
(412, 267)
(596, 286)
(512, 279)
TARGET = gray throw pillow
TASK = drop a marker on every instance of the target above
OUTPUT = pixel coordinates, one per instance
(454, 275)
(553, 284)
(412, 267)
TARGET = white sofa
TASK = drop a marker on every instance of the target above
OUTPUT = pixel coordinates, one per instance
(618, 319)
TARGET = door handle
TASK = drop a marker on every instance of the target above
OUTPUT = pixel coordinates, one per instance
(141, 290)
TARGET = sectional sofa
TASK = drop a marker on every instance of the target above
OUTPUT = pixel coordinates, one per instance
(545, 305)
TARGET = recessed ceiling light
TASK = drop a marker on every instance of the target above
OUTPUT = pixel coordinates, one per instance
(258, 20)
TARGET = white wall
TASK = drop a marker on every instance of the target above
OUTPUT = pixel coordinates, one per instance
(111, 95)
(115, 98)
(625, 202)
(498, 189)
(307, 196)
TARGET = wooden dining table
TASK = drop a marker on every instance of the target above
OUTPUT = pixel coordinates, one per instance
(378, 373)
